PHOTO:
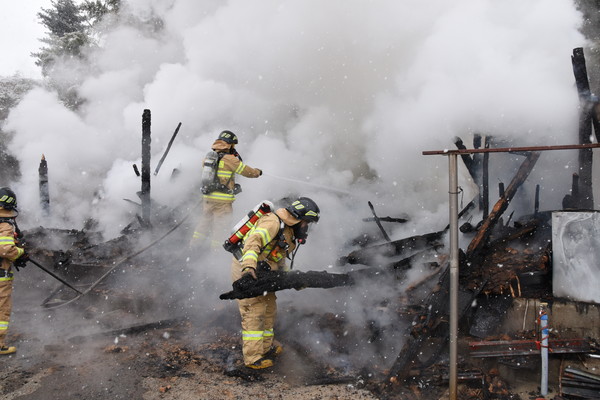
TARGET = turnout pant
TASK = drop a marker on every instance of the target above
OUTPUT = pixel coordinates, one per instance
(5, 306)
(213, 226)
(258, 320)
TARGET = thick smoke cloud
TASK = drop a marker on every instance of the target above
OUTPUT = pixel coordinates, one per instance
(339, 94)
(335, 100)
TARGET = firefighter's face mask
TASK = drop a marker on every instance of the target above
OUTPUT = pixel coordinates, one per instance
(301, 231)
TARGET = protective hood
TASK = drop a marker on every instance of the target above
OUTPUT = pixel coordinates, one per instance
(221, 146)
(8, 213)
(286, 217)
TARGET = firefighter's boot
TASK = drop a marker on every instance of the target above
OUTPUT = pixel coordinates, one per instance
(7, 350)
(273, 352)
(261, 364)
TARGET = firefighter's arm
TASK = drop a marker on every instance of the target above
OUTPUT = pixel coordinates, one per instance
(246, 170)
(8, 245)
(263, 233)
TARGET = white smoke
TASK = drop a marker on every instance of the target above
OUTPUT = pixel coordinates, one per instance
(335, 93)
(342, 94)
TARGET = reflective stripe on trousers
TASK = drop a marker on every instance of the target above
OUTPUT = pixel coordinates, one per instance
(256, 335)
(252, 335)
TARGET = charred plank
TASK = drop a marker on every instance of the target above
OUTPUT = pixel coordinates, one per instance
(370, 255)
(272, 281)
(480, 239)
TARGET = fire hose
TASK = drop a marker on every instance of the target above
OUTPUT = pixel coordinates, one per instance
(40, 266)
(116, 264)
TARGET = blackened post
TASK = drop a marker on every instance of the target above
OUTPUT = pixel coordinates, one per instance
(536, 205)
(486, 182)
(145, 194)
(586, 197)
(483, 234)
(162, 159)
(44, 191)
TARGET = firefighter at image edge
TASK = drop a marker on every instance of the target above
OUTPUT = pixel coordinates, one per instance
(10, 253)
(266, 246)
(218, 204)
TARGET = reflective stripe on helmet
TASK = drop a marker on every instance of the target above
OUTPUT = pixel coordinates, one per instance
(7, 199)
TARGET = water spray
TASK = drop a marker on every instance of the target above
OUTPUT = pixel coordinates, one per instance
(307, 183)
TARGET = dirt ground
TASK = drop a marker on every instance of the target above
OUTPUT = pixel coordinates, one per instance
(85, 352)
(89, 350)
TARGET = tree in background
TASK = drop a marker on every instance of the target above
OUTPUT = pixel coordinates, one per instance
(72, 30)
(66, 34)
(12, 90)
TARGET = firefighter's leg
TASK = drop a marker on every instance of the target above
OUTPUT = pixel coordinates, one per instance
(5, 310)
(270, 314)
(252, 312)
(202, 232)
(221, 225)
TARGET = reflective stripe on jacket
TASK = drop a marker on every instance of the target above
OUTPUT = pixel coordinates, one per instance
(9, 251)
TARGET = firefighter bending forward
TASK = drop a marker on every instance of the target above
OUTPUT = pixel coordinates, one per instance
(273, 237)
(218, 205)
(10, 253)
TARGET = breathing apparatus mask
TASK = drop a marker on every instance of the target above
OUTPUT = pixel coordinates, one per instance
(301, 231)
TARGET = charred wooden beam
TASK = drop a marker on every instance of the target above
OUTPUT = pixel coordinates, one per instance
(536, 202)
(475, 164)
(273, 281)
(383, 232)
(162, 159)
(462, 212)
(43, 186)
(572, 201)
(586, 199)
(465, 157)
(408, 262)
(146, 143)
(386, 219)
(480, 239)
(371, 254)
(485, 201)
(509, 348)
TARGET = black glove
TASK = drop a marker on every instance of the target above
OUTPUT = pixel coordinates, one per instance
(245, 282)
(262, 266)
(21, 262)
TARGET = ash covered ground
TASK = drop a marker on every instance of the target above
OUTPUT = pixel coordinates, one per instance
(154, 328)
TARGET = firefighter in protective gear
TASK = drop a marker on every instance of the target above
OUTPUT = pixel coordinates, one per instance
(10, 253)
(218, 205)
(274, 236)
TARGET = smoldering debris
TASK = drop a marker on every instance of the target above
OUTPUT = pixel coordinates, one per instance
(509, 260)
